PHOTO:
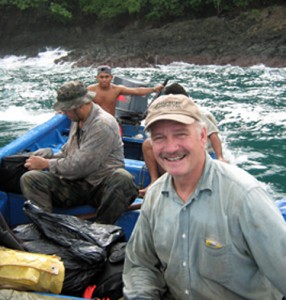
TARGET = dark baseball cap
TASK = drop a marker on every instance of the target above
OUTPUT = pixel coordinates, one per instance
(104, 69)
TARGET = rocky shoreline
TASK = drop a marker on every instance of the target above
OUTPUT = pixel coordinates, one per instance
(251, 38)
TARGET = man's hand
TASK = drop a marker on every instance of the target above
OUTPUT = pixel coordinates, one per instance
(36, 163)
(158, 88)
(222, 159)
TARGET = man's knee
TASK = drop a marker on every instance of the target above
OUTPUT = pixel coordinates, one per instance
(121, 178)
(29, 177)
(34, 180)
(122, 175)
(118, 193)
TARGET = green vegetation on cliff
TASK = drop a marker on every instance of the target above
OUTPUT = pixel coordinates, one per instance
(71, 10)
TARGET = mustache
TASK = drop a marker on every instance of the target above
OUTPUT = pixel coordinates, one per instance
(166, 155)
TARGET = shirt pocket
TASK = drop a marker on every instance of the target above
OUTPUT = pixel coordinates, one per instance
(215, 261)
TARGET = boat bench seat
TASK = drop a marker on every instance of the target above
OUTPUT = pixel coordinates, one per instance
(13, 203)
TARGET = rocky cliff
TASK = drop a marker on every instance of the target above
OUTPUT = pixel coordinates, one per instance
(254, 37)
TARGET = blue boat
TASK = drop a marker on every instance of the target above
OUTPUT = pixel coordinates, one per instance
(54, 133)
(130, 111)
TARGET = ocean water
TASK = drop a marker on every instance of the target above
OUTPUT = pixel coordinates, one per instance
(249, 104)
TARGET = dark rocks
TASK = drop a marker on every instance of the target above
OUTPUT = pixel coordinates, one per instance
(255, 37)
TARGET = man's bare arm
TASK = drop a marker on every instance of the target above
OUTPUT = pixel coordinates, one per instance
(216, 144)
(140, 90)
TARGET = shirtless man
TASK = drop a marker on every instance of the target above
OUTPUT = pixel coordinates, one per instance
(107, 92)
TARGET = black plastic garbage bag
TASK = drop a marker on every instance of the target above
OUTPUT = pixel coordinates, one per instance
(78, 272)
(109, 283)
(64, 229)
(82, 245)
(7, 237)
(27, 232)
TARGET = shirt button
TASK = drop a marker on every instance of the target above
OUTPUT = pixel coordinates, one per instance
(183, 235)
(187, 292)
(184, 264)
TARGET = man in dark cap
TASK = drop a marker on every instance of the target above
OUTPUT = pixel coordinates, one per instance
(107, 92)
(90, 167)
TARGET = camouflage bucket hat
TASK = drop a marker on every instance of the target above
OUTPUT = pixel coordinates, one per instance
(72, 95)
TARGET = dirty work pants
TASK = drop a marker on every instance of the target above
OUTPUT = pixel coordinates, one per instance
(111, 198)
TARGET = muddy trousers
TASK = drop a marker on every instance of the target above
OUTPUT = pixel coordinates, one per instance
(111, 198)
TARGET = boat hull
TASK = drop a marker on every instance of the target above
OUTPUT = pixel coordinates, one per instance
(53, 134)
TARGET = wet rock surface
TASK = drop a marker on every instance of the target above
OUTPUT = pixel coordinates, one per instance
(250, 38)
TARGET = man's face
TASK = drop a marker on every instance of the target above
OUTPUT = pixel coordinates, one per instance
(178, 148)
(73, 114)
(104, 79)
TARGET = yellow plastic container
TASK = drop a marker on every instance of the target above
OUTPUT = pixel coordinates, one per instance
(31, 271)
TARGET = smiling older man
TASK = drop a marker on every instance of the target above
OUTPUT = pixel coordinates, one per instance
(207, 229)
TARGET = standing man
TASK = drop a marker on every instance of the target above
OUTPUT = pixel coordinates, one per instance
(207, 230)
(90, 167)
(107, 92)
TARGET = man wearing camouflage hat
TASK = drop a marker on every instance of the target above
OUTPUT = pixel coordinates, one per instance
(87, 165)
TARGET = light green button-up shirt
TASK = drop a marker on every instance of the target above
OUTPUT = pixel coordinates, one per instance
(228, 241)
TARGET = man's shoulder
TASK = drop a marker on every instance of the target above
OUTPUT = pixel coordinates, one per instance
(92, 87)
(232, 175)
(160, 184)
(117, 87)
(210, 124)
(104, 117)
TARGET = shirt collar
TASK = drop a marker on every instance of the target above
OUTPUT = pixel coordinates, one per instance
(94, 111)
